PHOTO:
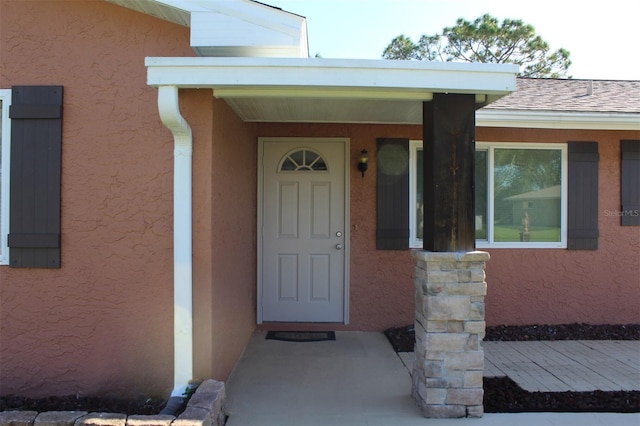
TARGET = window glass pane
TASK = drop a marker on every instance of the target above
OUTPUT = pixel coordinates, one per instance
(527, 195)
(297, 157)
(288, 165)
(319, 165)
(419, 199)
(481, 195)
(303, 161)
(1, 153)
(309, 157)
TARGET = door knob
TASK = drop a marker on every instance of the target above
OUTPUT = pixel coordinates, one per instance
(339, 246)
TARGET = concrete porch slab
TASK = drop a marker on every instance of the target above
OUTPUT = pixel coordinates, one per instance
(359, 380)
(356, 379)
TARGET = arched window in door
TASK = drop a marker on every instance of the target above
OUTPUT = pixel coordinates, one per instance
(303, 160)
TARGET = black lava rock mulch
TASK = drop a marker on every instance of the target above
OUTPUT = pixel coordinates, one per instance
(516, 333)
(402, 338)
(141, 406)
(503, 395)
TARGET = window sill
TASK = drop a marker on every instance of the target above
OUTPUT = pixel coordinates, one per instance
(514, 245)
(517, 245)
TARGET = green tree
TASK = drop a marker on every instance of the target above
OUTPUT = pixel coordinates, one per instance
(488, 41)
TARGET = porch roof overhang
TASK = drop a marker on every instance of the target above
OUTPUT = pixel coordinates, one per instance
(331, 90)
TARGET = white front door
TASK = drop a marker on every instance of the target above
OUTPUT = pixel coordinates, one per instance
(303, 235)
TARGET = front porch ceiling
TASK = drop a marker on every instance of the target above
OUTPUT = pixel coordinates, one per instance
(331, 90)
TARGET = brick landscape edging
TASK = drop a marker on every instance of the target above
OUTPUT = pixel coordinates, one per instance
(206, 407)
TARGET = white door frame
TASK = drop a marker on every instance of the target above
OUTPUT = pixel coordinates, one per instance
(347, 224)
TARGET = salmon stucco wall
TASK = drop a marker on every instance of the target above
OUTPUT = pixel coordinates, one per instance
(224, 229)
(556, 286)
(103, 322)
(525, 286)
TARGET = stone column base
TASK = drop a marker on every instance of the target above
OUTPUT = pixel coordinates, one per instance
(449, 327)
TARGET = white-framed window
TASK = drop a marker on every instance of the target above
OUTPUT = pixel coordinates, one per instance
(520, 195)
(5, 156)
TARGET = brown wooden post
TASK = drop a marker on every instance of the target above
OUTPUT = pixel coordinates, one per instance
(450, 277)
(449, 153)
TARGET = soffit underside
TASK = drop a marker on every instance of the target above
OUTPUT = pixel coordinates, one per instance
(310, 110)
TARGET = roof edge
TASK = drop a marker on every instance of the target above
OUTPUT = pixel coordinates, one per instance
(488, 79)
(558, 120)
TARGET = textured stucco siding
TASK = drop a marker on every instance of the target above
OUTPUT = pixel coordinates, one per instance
(525, 286)
(555, 286)
(224, 232)
(103, 322)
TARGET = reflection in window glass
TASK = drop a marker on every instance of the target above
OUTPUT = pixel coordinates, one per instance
(519, 197)
(527, 195)
(0, 149)
(419, 195)
(481, 194)
(1, 157)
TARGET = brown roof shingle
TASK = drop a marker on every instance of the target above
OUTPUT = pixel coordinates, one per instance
(541, 94)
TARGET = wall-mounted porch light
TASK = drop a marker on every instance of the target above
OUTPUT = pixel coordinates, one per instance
(362, 161)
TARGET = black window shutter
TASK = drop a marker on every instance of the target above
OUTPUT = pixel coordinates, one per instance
(392, 163)
(630, 182)
(582, 223)
(36, 148)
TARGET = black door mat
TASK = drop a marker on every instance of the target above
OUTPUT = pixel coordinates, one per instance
(301, 336)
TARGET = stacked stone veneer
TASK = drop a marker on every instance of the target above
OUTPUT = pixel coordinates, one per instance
(205, 408)
(449, 326)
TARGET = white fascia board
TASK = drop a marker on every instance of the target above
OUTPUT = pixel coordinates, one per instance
(557, 120)
(287, 73)
(251, 51)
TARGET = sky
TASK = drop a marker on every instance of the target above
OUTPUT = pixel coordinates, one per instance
(602, 37)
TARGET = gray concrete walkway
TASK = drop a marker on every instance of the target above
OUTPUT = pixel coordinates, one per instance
(359, 380)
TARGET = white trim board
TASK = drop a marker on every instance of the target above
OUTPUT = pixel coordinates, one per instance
(488, 117)
(5, 167)
(495, 80)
